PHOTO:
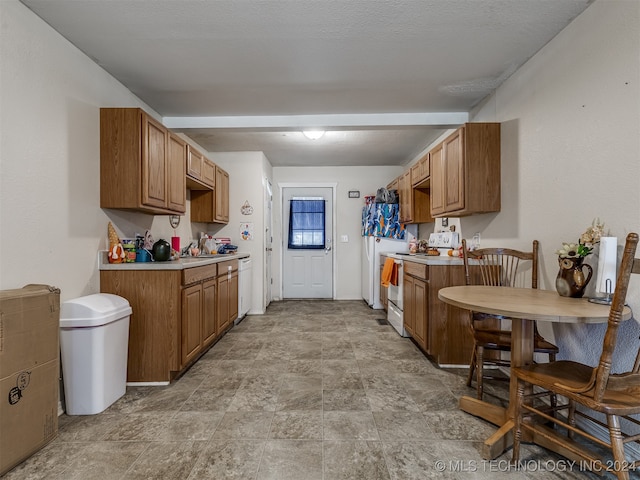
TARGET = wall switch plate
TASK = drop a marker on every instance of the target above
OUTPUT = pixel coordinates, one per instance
(344, 238)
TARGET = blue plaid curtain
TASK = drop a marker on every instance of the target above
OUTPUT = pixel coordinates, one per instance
(306, 224)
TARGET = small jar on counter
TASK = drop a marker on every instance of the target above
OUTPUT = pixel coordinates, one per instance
(413, 245)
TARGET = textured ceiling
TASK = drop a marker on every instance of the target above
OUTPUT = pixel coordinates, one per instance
(234, 64)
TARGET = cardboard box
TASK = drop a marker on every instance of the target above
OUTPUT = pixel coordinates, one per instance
(29, 371)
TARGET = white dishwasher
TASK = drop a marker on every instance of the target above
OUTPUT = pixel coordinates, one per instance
(244, 288)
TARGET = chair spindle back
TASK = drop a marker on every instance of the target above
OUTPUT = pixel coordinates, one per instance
(499, 267)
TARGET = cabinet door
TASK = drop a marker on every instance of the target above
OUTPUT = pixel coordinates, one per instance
(195, 162)
(415, 174)
(424, 167)
(404, 189)
(420, 171)
(420, 311)
(208, 173)
(209, 311)
(154, 163)
(233, 296)
(177, 151)
(191, 334)
(223, 303)
(455, 174)
(408, 316)
(222, 196)
(438, 177)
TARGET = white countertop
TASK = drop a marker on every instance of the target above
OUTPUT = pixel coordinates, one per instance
(426, 259)
(181, 264)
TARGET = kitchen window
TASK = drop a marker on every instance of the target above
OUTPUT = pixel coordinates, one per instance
(306, 223)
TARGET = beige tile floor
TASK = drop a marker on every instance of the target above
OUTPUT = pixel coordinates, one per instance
(310, 390)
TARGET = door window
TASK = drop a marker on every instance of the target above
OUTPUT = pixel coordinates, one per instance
(307, 223)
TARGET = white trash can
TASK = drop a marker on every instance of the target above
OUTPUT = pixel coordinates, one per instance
(94, 337)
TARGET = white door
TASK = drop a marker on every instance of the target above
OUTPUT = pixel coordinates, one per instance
(308, 272)
(268, 238)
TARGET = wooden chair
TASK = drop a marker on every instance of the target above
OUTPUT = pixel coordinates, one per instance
(497, 267)
(595, 389)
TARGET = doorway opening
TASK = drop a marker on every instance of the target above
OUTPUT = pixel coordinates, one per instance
(308, 256)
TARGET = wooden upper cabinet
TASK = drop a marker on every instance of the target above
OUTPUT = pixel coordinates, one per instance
(420, 173)
(406, 200)
(212, 206)
(393, 185)
(154, 164)
(195, 160)
(135, 164)
(200, 170)
(465, 171)
(222, 196)
(208, 173)
(415, 204)
(438, 176)
(177, 151)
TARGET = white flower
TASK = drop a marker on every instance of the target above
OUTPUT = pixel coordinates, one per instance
(568, 250)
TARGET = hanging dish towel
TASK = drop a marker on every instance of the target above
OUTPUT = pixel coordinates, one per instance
(394, 275)
(387, 272)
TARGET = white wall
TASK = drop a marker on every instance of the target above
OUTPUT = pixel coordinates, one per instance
(51, 223)
(348, 222)
(51, 226)
(247, 170)
(571, 152)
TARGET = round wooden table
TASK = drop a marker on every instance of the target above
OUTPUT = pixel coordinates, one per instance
(522, 306)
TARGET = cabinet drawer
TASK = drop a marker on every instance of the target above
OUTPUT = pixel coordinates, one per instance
(197, 274)
(227, 266)
(418, 270)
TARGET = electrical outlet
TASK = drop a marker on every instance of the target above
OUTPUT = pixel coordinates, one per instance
(344, 238)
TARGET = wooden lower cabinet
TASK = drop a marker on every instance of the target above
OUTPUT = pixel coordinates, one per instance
(209, 302)
(227, 293)
(416, 302)
(176, 315)
(440, 330)
(198, 319)
(191, 333)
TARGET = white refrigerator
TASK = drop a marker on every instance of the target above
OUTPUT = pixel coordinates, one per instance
(371, 249)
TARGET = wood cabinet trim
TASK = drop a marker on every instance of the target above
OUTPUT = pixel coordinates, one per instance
(419, 270)
(198, 274)
(465, 171)
(440, 330)
(134, 163)
(195, 162)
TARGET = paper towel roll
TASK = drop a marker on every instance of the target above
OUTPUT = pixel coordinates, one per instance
(607, 262)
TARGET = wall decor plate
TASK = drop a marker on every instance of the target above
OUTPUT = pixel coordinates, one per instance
(246, 209)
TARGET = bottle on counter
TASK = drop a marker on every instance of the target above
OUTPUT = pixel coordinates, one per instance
(413, 245)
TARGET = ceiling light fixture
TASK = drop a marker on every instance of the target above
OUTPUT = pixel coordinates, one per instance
(313, 134)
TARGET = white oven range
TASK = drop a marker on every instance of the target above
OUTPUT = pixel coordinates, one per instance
(395, 302)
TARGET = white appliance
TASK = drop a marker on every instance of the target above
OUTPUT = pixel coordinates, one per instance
(395, 306)
(444, 240)
(244, 288)
(370, 269)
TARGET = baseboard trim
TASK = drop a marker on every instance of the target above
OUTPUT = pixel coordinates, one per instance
(147, 384)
